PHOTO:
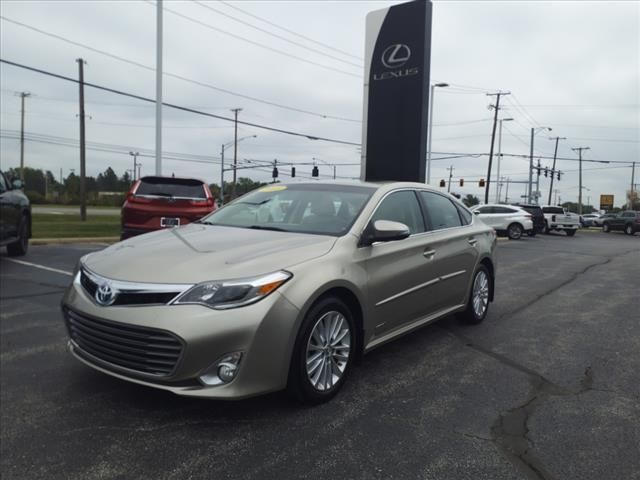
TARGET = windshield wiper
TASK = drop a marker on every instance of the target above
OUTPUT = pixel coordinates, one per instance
(205, 222)
(264, 227)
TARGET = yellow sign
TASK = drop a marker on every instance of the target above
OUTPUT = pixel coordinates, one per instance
(273, 188)
(606, 202)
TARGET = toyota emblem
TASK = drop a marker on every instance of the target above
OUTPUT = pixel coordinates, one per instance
(105, 295)
(395, 56)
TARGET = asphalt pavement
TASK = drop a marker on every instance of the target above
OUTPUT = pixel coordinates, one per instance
(548, 387)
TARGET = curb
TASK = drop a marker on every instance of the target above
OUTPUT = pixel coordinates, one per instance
(53, 241)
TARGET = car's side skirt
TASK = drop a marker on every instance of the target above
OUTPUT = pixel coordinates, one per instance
(409, 327)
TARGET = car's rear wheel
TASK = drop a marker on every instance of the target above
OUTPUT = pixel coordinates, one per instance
(20, 246)
(628, 229)
(324, 351)
(570, 233)
(514, 231)
(606, 228)
(478, 304)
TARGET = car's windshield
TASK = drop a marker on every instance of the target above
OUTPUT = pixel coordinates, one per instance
(302, 208)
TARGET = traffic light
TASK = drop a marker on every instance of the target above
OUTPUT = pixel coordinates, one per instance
(442, 184)
(315, 172)
(293, 172)
(462, 182)
(546, 172)
(558, 176)
(481, 182)
(274, 174)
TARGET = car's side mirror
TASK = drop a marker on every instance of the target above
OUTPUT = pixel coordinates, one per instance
(384, 231)
(17, 184)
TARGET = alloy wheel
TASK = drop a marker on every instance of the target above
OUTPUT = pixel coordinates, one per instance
(515, 232)
(480, 293)
(328, 350)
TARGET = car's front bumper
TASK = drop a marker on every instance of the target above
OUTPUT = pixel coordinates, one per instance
(262, 332)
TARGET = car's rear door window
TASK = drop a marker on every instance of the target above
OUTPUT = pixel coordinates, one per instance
(441, 211)
(171, 188)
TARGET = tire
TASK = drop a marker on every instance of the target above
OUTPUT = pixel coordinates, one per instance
(628, 229)
(514, 231)
(20, 246)
(606, 228)
(477, 312)
(546, 230)
(309, 380)
(570, 233)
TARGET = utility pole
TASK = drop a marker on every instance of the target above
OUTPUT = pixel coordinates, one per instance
(235, 151)
(450, 175)
(221, 176)
(135, 163)
(553, 169)
(334, 175)
(506, 195)
(139, 170)
(633, 174)
(83, 192)
(493, 137)
(580, 149)
(431, 101)
(23, 95)
(60, 176)
(538, 184)
(533, 132)
(158, 88)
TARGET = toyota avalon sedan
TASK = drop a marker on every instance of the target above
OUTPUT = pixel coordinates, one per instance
(285, 287)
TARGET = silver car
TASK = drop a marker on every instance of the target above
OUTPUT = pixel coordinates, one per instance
(284, 287)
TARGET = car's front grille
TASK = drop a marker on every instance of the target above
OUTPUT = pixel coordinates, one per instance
(133, 297)
(140, 349)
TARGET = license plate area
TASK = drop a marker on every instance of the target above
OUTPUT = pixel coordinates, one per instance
(169, 222)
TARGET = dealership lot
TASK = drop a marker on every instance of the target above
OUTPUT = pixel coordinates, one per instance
(548, 387)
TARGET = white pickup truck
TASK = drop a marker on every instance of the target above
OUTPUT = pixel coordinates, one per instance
(557, 218)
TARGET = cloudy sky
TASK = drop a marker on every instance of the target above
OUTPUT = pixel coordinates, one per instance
(297, 65)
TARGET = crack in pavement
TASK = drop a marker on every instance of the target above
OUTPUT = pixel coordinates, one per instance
(16, 297)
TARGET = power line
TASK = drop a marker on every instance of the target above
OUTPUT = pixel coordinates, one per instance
(257, 44)
(284, 29)
(176, 76)
(177, 107)
(319, 52)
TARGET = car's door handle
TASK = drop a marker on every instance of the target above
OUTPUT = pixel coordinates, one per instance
(472, 242)
(428, 254)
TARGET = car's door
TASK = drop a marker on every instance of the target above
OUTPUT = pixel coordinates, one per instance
(397, 271)
(487, 215)
(451, 239)
(6, 208)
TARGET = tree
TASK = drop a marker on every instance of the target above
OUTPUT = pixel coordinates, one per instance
(633, 200)
(470, 200)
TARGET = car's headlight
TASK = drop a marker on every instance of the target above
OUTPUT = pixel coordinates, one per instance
(234, 293)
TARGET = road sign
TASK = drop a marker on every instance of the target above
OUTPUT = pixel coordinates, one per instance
(606, 202)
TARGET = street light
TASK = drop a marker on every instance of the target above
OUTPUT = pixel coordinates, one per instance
(430, 134)
(135, 163)
(500, 157)
(224, 147)
(534, 130)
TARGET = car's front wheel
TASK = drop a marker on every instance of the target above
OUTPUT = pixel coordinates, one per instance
(628, 229)
(606, 228)
(570, 233)
(21, 245)
(324, 351)
(514, 231)
(478, 304)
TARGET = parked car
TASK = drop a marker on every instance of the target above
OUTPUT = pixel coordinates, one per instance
(162, 202)
(597, 222)
(558, 219)
(588, 220)
(506, 219)
(283, 287)
(15, 217)
(628, 221)
(536, 216)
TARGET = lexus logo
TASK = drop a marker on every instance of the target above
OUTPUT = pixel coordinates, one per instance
(396, 56)
(105, 295)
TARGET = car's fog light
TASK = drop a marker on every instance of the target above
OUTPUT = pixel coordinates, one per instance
(222, 371)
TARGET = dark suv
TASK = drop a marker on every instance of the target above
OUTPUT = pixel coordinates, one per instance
(15, 217)
(628, 221)
(536, 215)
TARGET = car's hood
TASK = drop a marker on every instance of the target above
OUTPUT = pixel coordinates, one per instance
(197, 252)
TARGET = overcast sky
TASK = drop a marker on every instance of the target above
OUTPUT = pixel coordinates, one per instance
(573, 66)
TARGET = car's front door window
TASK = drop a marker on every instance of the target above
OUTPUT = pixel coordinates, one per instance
(401, 207)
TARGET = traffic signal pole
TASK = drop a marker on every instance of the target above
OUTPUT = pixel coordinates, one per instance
(493, 138)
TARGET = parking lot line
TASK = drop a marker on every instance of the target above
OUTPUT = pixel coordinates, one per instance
(35, 265)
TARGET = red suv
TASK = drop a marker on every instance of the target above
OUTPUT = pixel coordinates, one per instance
(160, 202)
